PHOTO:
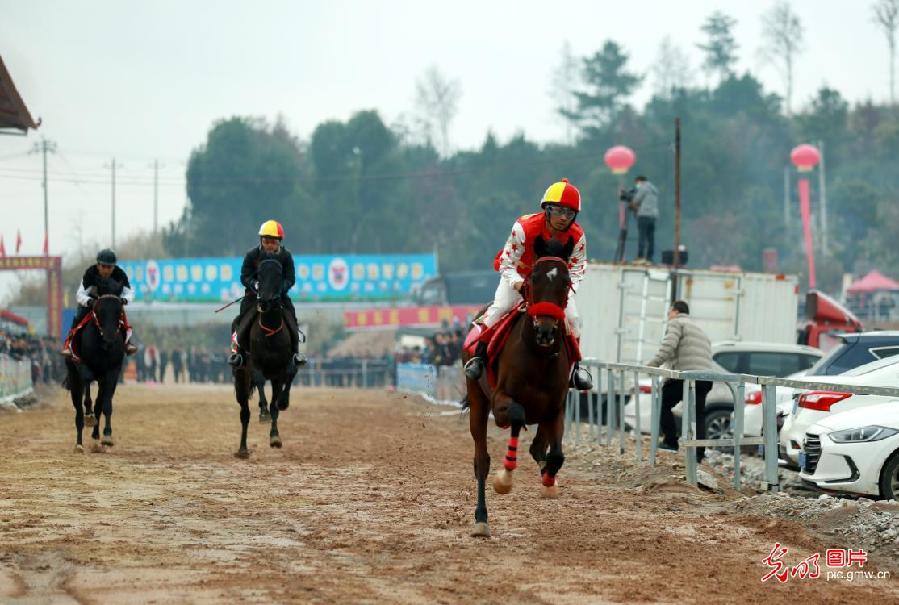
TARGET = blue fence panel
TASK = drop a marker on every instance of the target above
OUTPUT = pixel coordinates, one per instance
(417, 377)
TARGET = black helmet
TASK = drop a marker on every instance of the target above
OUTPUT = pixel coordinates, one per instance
(106, 257)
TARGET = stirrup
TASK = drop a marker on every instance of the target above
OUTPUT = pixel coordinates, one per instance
(299, 359)
(235, 360)
(474, 368)
(67, 352)
(581, 380)
(130, 349)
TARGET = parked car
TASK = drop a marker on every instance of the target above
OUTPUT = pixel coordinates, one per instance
(812, 406)
(853, 351)
(737, 357)
(855, 451)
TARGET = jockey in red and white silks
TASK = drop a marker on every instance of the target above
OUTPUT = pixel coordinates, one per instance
(517, 259)
(560, 204)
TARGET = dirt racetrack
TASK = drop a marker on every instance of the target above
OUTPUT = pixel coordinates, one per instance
(370, 500)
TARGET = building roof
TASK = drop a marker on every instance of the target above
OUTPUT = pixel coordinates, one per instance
(13, 113)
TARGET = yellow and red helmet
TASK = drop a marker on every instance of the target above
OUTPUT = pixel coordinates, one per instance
(562, 193)
(271, 229)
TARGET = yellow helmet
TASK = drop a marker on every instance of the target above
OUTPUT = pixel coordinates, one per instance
(271, 228)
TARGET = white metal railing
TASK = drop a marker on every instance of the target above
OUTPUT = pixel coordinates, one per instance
(612, 409)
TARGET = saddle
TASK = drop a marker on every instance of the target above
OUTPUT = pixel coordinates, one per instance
(75, 343)
(498, 336)
(246, 322)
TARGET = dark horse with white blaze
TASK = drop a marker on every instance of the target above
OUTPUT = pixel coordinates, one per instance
(531, 380)
(270, 353)
(100, 347)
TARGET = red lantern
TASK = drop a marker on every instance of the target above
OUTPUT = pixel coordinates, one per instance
(805, 157)
(619, 159)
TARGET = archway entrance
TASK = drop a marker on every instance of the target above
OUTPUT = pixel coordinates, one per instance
(53, 266)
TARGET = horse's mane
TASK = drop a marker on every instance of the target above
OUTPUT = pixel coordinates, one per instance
(553, 247)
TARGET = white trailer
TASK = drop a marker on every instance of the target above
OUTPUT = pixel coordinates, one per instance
(624, 307)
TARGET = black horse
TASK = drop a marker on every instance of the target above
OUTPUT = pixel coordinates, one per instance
(270, 353)
(100, 349)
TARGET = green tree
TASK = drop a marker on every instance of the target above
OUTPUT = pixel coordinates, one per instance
(246, 173)
(607, 86)
(720, 48)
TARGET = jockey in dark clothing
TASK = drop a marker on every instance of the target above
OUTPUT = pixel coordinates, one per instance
(271, 233)
(105, 268)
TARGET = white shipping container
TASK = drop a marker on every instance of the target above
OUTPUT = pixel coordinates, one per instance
(624, 308)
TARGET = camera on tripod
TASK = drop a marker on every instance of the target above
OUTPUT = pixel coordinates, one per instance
(627, 195)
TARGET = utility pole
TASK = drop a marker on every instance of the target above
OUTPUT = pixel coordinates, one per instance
(113, 202)
(823, 196)
(155, 194)
(43, 147)
(676, 193)
(787, 221)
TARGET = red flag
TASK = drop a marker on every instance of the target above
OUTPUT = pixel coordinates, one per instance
(46, 246)
(2, 248)
(18, 240)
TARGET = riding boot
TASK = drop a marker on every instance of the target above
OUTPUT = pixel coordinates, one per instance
(235, 359)
(298, 358)
(580, 378)
(130, 349)
(475, 366)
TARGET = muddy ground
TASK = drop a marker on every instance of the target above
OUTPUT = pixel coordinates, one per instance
(370, 500)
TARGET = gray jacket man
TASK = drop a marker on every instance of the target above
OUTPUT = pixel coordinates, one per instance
(646, 205)
(685, 346)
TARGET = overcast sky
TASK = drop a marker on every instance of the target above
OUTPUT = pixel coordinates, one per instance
(144, 80)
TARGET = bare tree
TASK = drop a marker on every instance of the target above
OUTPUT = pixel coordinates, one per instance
(782, 33)
(886, 15)
(565, 80)
(437, 101)
(671, 69)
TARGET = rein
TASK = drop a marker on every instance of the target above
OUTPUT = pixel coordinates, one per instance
(96, 319)
(270, 331)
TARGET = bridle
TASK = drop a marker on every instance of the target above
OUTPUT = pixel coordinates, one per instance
(545, 308)
(266, 330)
(96, 319)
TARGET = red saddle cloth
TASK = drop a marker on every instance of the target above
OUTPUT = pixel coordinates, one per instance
(499, 335)
(75, 343)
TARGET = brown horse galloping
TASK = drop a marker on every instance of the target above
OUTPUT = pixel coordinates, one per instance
(531, 381)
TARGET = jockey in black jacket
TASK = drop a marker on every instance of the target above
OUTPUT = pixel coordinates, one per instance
(271, 234)
(106, 268)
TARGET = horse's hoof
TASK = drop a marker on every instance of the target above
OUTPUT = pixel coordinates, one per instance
(97, 448)
(275, 442)
(550, 491)
(264, 416)
(90, 421)
(107, 440)
(480, 530)
(79, 449)
(243, 454)
(502, 481)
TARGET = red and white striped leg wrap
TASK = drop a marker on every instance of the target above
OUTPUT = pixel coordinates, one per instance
(511, 461)
(547, 480)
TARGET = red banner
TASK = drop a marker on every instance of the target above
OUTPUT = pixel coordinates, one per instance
(428, 317)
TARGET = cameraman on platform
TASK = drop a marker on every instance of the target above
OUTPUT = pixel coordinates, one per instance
(645, 203)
